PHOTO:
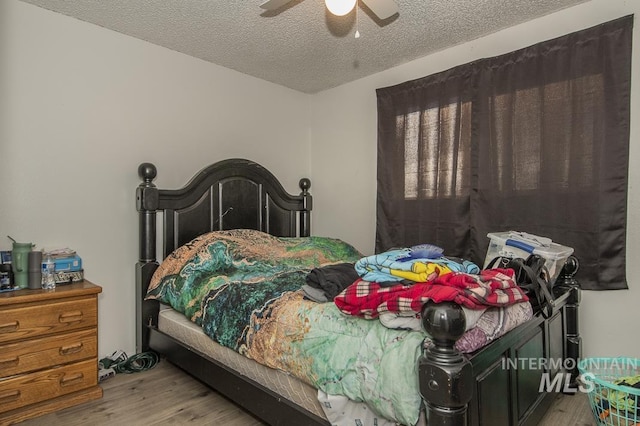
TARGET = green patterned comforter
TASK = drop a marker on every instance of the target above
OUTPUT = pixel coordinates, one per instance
(243, 288)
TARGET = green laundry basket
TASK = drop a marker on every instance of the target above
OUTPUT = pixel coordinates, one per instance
(609, 384)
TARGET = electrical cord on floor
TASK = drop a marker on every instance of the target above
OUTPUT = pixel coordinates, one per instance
(119, 362)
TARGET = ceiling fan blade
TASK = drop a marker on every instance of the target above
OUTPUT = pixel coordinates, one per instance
(273, 4)
(383, 9)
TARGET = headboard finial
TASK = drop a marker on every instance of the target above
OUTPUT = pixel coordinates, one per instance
(305, 184)
(148, 172)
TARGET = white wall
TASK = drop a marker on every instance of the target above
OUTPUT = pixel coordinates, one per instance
(81, 107)
(345, 136)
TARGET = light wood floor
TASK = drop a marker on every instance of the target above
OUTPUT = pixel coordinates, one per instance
(167, 396)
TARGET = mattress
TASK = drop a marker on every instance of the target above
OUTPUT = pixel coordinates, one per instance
(180, 328)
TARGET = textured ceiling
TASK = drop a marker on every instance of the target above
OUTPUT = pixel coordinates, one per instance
(300, 45)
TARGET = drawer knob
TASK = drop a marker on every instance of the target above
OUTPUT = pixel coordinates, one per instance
(73, 316)
(71, 349)
(9, 327)
(71, 379)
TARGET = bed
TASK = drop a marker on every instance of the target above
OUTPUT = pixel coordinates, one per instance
(500, 383)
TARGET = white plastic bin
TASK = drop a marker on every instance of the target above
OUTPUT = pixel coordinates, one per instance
(514, 244)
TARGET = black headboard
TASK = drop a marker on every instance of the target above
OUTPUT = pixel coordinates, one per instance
(230, 194)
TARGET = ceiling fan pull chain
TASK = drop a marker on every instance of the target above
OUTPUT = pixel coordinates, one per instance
(357, 20)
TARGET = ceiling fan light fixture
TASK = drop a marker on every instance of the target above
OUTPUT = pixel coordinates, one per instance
(340, 7)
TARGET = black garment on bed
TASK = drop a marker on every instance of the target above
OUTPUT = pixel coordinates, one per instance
(332, 279)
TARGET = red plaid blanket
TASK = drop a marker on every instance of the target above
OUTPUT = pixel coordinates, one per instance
(492, 287)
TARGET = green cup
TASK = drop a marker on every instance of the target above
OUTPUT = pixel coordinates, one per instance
(20, 263)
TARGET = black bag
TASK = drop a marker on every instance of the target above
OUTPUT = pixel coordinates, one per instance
(532, 276)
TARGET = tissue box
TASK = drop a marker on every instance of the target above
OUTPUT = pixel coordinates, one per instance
(515, 244)
(68, 264)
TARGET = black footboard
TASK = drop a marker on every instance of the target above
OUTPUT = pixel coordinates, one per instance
(511, 381)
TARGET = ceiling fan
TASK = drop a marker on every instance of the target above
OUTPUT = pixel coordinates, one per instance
(383, 9)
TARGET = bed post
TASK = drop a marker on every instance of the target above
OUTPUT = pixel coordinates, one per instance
(307, 205)
(566, 283)
(446, 377)
(146, 204)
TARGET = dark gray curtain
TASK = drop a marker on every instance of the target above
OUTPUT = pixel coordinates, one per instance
(536, 140)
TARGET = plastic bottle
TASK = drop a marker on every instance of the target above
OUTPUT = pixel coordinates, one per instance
(48, 270)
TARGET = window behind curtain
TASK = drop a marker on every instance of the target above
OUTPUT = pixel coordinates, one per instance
(535, 140)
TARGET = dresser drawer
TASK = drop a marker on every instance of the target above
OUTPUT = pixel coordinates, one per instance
(34, 320)
(46, 352)
(20, 391)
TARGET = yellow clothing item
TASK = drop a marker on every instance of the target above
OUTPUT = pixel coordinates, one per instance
(421, 272)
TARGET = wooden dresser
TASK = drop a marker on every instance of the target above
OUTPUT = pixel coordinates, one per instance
(48, 350)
